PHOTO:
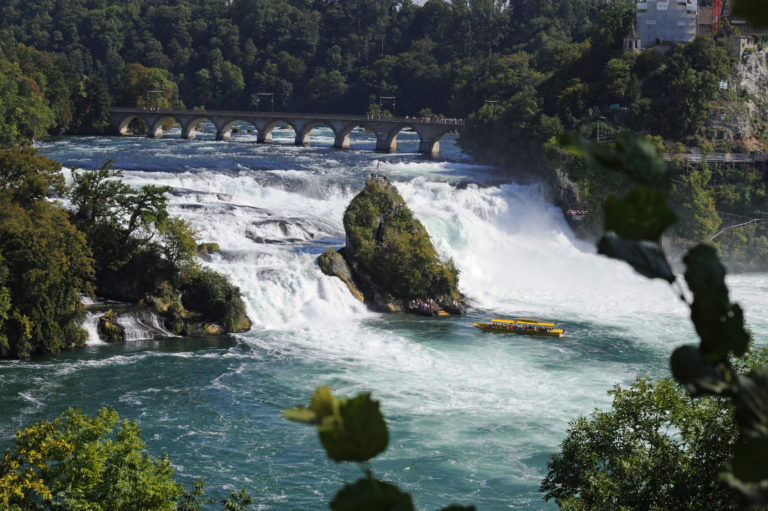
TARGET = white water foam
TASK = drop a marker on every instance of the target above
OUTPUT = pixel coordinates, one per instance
(90, 325)
(141, 326)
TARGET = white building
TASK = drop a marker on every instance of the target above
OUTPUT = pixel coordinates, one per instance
(667, 22)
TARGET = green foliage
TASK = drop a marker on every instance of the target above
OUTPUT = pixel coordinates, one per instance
(91, 103)
(27, 177)
(49, 264)
(719, 323)
(371, 494)
(642, 215)
(82, 462)
(109, 329)
(634, 224)
(193, 500)
(121, 222)
(139, 80)
(745, 249)
(239, 501)
(695, 207)
(350, 429)
(656, 448)
(118, 220)
(5, 305)
(180, 242)
(46, 260)
(24, 114)
(353, 429)
(96, 463)
(208, 248)
(394, 248)
(212, 295)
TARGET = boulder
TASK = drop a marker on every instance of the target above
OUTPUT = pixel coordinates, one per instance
(333, 263)
(388, 257)
(108, 328)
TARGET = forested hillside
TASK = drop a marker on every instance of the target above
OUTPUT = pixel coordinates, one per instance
(316, 55)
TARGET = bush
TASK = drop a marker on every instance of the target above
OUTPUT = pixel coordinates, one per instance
(213, 296)
(81, 462)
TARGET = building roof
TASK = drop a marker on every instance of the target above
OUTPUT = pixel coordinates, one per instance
(632, 34)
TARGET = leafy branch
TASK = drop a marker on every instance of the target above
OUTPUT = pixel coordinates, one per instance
(353, 429)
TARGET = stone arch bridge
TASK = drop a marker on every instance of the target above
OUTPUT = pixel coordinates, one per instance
(386, 130)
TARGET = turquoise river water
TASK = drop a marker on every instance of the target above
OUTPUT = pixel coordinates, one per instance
(473, 417)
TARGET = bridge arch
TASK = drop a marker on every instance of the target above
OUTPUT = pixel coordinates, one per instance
(430, 135)
(341, 132)
(122, 126)
(264, 128)
(155, 125)
(224, 127)
(190, 125)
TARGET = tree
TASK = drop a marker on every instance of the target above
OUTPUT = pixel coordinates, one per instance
(49, 265)
(214, 297)
(633, 228)
(138, 81)
(27, 177)
(656, 448)
(91, 103)
(5, 302)
(695, 208)
(81, 462)
(179, 242)
(95, 463)
(47, 261)
(119, 220)
(24, 113)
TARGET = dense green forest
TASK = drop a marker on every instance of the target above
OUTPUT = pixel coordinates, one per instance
(314, 55)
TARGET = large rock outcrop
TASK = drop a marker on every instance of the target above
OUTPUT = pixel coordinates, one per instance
(740, 122)
(388, 257)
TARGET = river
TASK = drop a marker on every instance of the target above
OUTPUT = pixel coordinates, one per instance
(473, 417)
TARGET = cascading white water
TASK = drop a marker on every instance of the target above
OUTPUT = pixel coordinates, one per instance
(141, 325)
(90, 325)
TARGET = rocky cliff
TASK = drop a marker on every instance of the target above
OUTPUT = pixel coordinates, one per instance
(389, 258)
(739, 122)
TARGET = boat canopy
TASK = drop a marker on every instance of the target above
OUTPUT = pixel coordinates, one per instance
(521, 321)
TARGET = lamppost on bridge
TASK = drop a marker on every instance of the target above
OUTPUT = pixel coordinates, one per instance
(388, 98)
(271, 97)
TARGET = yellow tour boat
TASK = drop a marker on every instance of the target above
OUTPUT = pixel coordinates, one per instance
(521, 326)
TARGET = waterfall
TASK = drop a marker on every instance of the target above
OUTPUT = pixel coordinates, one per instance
(142, 325)
(90, 325)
